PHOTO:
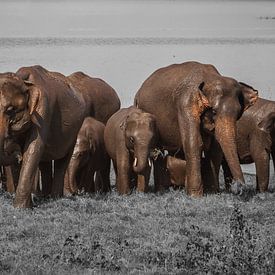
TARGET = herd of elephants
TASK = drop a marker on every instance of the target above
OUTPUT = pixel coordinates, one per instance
(59, 134)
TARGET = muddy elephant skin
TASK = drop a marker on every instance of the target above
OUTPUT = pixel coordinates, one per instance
(178, 95)
(89, 158)
(45, 113)
(129, 136)
(256, 141)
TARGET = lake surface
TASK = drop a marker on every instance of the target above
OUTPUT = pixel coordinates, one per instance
(123, 42)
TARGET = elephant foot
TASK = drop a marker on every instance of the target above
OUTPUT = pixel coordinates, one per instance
(236, 187)
(57, 192)
(194, 193)
(211, 189)
(142, 185)
(68, 193)
(124, 191)
(245, 191)
(22, 202)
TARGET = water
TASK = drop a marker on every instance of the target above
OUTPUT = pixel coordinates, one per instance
(125, 41)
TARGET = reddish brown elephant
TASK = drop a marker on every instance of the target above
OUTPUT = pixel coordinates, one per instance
(89, 158)
(45, 114)
(256, 141)
(129, 136)
(178, 95)
(177, 170)
(101, 99)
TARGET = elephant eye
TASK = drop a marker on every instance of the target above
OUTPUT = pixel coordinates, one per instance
(132, 140)
(10, 111)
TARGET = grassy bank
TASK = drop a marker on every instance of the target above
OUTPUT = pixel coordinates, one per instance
(141, 233)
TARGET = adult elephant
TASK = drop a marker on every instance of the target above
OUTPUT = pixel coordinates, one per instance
(100, 98)
(45, 114)
(178, 95)
(256, 141)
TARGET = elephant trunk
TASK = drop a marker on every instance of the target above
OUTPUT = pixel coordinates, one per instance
(71, 176)
(225, 132)
(141, 159)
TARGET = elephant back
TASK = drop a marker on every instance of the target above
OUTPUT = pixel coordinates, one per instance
(101, 99)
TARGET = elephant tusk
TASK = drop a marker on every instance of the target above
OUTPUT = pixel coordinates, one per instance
(150, 163)
(135, 162)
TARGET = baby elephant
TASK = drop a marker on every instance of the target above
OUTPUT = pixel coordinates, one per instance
(130, 135)
(172, 172)
(176, 168)
(89, 159)
(256, 141)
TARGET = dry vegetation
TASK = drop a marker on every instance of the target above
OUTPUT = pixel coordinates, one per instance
(142, 233)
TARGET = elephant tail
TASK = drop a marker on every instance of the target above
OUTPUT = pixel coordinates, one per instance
(136, 102)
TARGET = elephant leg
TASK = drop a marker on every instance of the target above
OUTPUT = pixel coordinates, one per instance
(103, 177)
(60, 167)
(98, 181)
(123, 173)
(87, 179)
(161, 176)
(273, 159)
(133, 180)
(228, 178)
(36, 183)
(10, 181)
(211, 167)
(143, 181)
(11, 173)
(31, 158)
(262, 163)
(46, 177)
(67, 188)
(192, 147)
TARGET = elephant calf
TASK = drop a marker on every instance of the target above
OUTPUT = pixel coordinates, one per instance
(89, 159)
(173, 172)
(129, 136)
(177, 170)
(256, 140)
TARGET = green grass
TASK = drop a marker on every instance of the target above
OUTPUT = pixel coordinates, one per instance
(137, 234)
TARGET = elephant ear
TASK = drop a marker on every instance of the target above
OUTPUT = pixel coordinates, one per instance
(249, 95)
(202, 99)
(268, 123)
(122, 125)
(34, 96)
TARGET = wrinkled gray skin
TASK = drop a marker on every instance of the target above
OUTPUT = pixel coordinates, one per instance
(89, 158)
(129, 136)
(256, 140)
(45, 114)
(178, 95)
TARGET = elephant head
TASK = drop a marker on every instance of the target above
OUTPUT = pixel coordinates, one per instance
(140, 132)
(18, 100)
(225, 100)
